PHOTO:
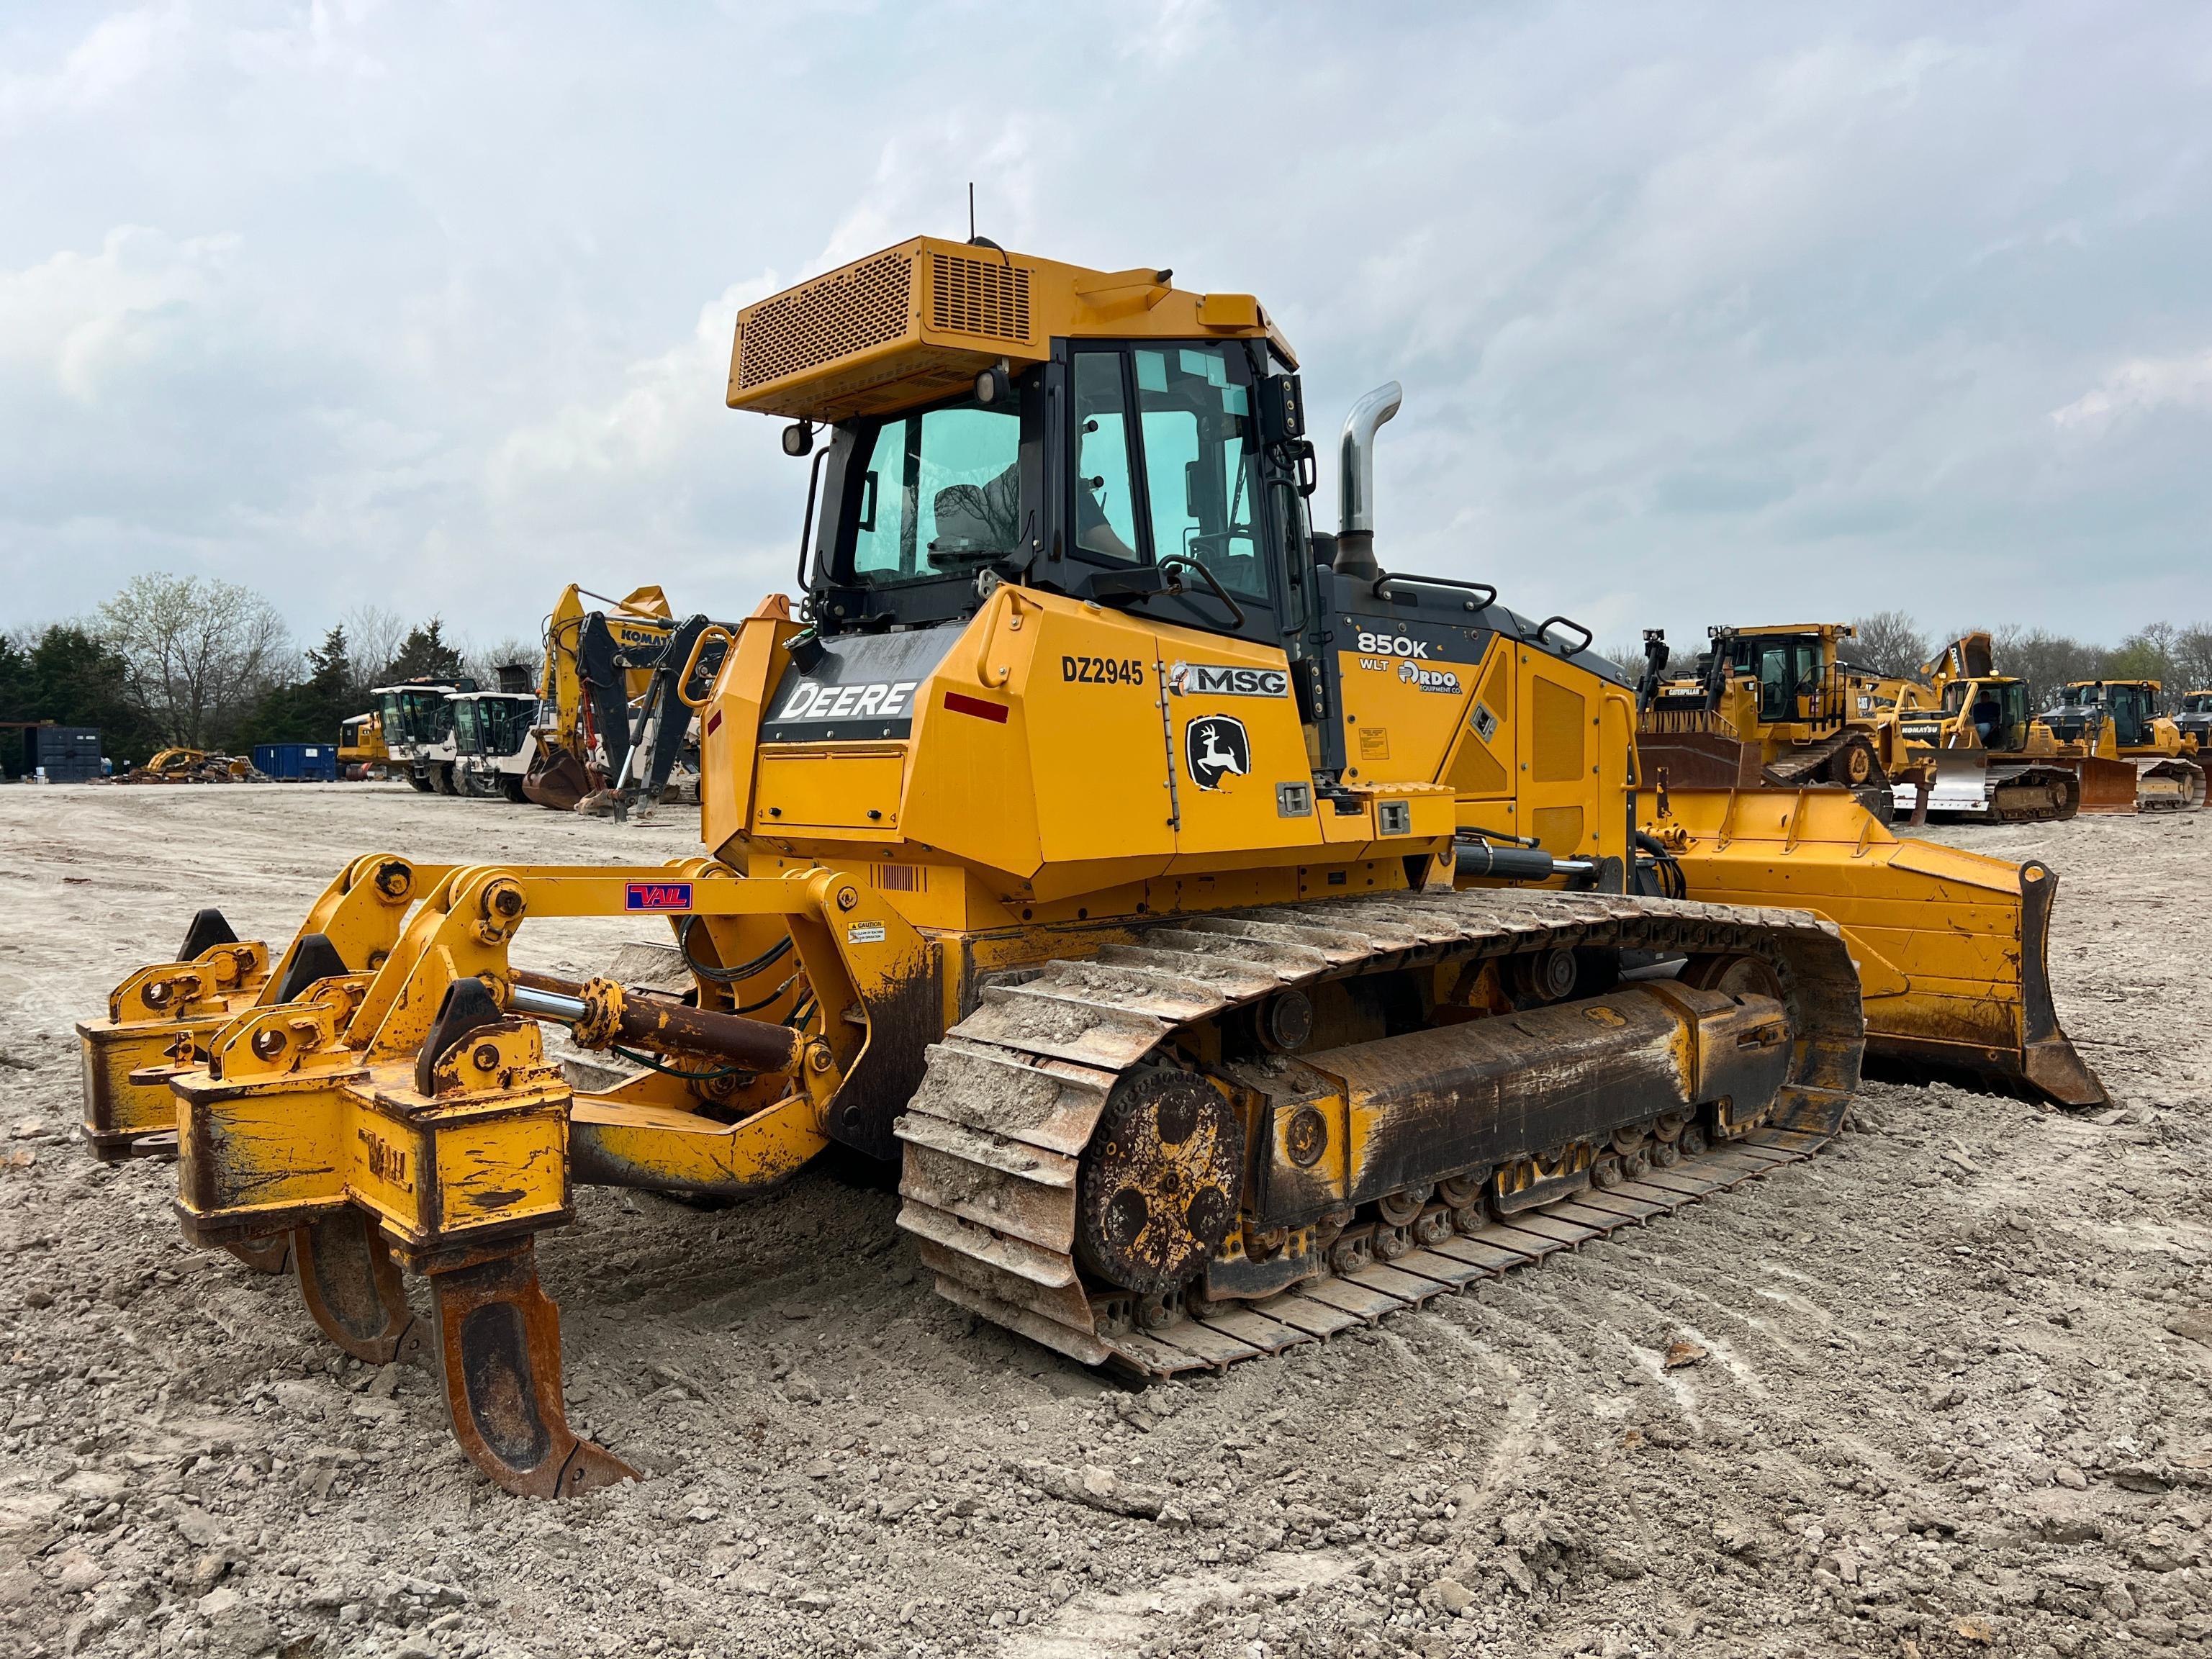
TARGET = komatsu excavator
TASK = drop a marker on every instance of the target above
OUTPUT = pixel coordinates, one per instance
(1981, 756)
(612, 732)
(2115, 725)
(1236, 941)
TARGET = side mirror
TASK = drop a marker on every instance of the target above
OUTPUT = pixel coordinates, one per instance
(1282, 409)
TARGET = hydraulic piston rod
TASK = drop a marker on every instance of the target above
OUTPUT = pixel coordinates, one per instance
(601, 1013)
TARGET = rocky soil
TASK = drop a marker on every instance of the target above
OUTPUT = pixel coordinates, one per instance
(1940, 1391)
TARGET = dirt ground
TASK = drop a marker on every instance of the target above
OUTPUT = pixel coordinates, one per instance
(1951, 1399)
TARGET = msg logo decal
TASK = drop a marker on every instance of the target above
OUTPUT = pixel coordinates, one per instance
(1200, 680)
(657, 896)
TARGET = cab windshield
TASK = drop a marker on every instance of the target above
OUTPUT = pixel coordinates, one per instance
(2197, 703)
(939, 493)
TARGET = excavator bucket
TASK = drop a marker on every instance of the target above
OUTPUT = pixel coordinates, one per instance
(1951, 945)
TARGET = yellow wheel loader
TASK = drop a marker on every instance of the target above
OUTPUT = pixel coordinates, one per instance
(1982, 755)
(1774, 707)
(1233, 942)
(2131, 758)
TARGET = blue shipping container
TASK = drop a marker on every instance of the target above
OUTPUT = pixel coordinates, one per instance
(298, 763)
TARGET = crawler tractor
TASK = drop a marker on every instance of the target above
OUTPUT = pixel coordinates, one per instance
(1774, 707)
(1981, 755)
(1234, 941)
(2193, 720)
(2112, 729)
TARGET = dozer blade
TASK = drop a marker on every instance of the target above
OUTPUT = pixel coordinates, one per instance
(1950, 946)
(2107, 786)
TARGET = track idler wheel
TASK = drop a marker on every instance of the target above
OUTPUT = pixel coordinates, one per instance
(352, 1288)
(499, 1348)
(1157, 1190)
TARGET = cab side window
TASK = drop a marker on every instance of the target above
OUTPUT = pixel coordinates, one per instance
(1105, 492)
(1202, 460)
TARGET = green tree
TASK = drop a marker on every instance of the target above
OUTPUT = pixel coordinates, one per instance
(307, 710)
(199, 652)
(72, 677)
(425, 654)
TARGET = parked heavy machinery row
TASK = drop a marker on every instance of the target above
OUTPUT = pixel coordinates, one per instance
(1233, 940)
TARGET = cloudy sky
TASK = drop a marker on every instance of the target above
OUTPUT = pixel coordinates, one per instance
(1704, 315)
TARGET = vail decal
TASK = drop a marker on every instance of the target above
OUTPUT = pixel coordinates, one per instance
(1215, 747)
(657, 896)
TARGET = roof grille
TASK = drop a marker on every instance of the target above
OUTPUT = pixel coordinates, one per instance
(840, 314)
(979, 297)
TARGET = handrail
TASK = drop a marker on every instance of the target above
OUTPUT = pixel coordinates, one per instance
(1544, 629)
(1014, 601)
(1384, 578)
(712, 631)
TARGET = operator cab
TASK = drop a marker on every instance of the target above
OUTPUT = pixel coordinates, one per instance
(1996, 709)
(1133, 473)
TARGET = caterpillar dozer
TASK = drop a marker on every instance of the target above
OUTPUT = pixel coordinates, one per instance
(1982, 755)
(362, 751)
(1235, 942)
(2132, 758)
(1775, 706)
(614, 732)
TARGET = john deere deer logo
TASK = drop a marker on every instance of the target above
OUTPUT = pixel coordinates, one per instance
(1215, 747)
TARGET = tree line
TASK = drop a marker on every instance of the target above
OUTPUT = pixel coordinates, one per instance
(197, 662)
(1896, 645)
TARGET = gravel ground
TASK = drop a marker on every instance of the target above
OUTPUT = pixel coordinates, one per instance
(1940, 1391)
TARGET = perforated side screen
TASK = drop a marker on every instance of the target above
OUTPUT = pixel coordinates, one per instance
(842, 313)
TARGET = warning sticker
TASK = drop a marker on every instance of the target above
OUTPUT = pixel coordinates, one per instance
(865, 933)
(1375, 742)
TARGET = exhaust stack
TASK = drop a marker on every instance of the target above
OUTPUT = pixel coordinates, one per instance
(1355, 540)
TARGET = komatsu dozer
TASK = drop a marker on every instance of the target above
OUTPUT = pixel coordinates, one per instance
(1234, 941)
(2131, 758)
(1981, 756)
(2192, 719)
(1774, 707)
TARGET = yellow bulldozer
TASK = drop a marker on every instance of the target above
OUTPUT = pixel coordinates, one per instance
(1980, 754)
(361, 751)
(2132, 758)
(1776, 707)
(1233, 941)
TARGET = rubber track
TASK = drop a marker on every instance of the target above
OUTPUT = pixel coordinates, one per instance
(993, 1135)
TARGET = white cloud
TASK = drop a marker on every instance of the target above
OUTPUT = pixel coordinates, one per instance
(82, 322)
(120, 51)
(2137, 387)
